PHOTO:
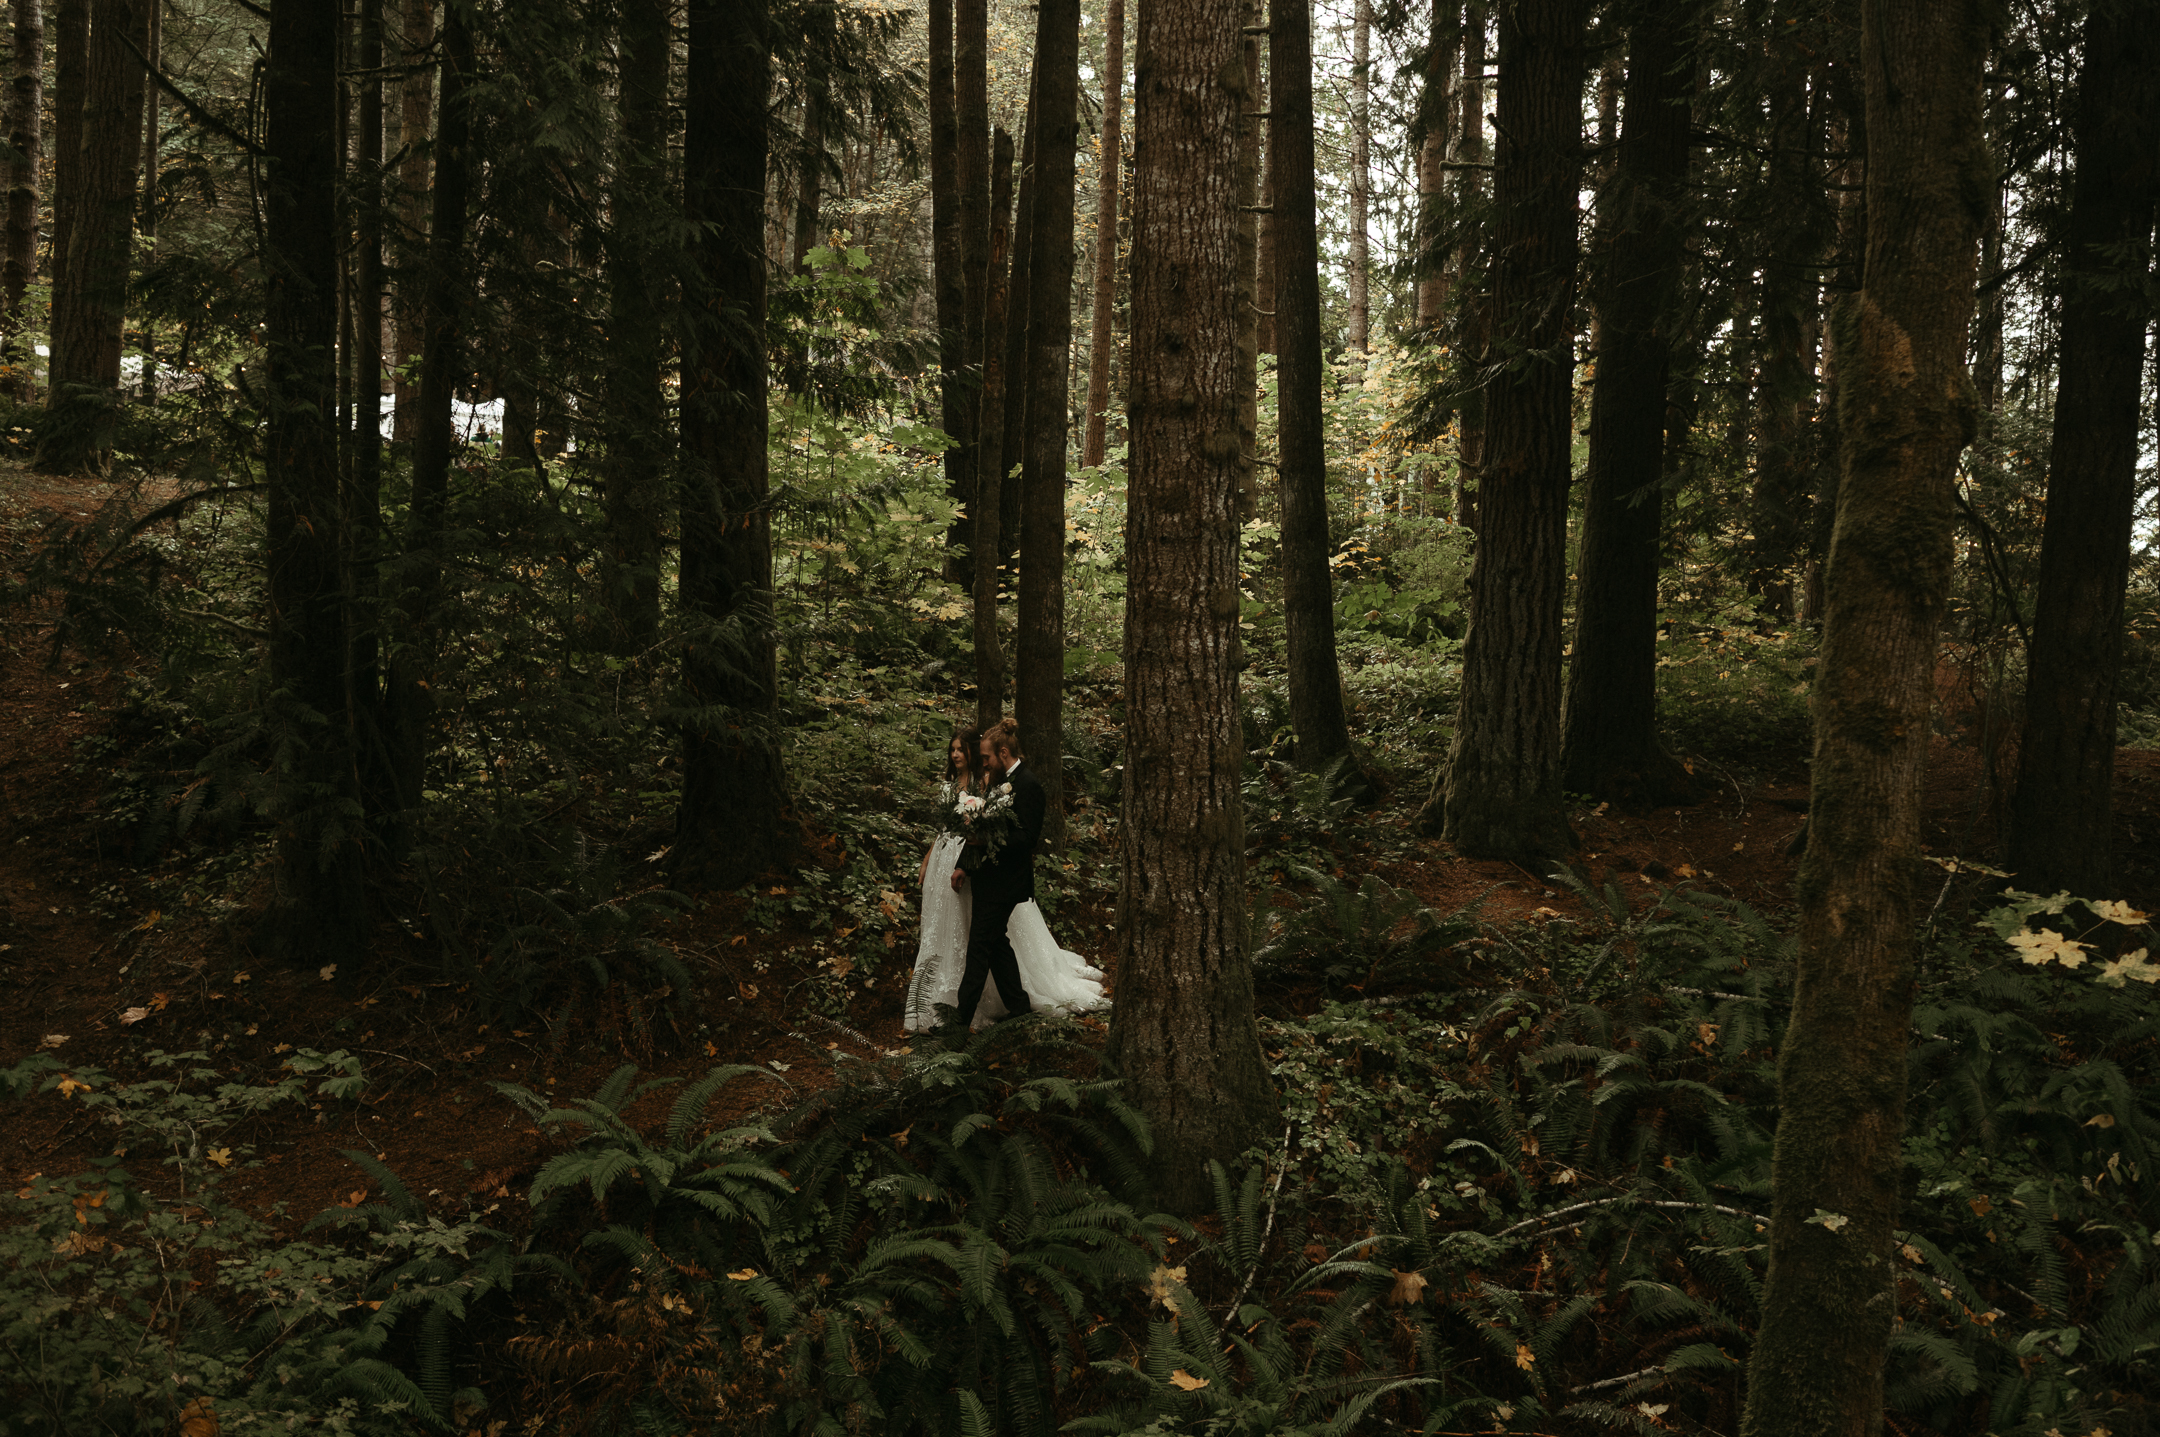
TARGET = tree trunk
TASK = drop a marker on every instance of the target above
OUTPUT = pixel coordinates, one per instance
(638, 440)
(1253, 25)
(1906, 409)
(734, 821)
(1472, 300)
(25, 119)
(71, 79)
(1264, 280)
(148, 215)
(318, 911)
(1442, 46)
(1092, 443)
(1360, 269)
(1315, 679)
(971, 105)
(1609, 746)
(1791, 298)
(441, 319)
(1039, 663)
(1500, 796)
(1183, 1034)
(990, 436)
(416, 123)
(1018, 315)
(809, 161)
(2062, 818)
(949, 288)
(91, 280)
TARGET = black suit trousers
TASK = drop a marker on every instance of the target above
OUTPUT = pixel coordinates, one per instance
(990, 954)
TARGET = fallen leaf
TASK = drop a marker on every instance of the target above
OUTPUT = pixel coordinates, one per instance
(1524, 1357)
(53, 1040)
(1186, 1381)
(1980, 1205)
(199, 1419)
(282, 1048)
(326, 972)
(2101, 1120)
(69, 1087)
(744, 1276)
(1409, 1287)
(1159, 1285)
(134, 1015)
(221, 1156)
(241, 977)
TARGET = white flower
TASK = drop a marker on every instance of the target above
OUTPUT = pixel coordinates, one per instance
(2047, 946)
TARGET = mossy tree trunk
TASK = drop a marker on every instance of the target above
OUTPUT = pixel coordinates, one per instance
(90, 278)
(1314, 676)
(948, 287)
(1092, 442)
(318, 909)
(25, 121)
(1436, 112)
(639, 445)
(734, 820)
(2062, 818)
(1500, 795)
(409, 701)
(1609, 741)
(1905, 411)
(1039, 647)
(1183, 1034)
(990, 439)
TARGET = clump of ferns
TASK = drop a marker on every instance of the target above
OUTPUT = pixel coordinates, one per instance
(928, 1229)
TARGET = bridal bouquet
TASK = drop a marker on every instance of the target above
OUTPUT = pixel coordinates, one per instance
(985, 821)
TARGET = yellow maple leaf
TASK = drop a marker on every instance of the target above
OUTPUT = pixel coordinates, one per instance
(1524, 1357)
(69, 1087)
(744, 1276)
(1186, 1381)
(221, 1156)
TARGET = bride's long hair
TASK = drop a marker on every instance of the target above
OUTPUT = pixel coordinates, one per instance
(970, 775)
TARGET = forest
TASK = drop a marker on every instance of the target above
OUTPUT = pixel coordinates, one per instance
(1576, 580)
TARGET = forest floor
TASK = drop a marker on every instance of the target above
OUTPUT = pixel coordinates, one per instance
(90, 971)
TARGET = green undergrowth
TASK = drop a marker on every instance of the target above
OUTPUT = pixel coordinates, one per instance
(1521, 1185)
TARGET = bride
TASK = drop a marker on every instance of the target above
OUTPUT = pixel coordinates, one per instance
(1053, 976)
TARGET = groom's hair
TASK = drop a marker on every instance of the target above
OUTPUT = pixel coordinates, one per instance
(1004, 736)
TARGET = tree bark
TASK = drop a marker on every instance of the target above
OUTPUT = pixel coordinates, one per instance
(1791, 298)
(1093, 443)
(2062, 817)
(1609, 746)
(1315, 678)
(71, 78)
(949, 288)
(734, 821)
(990, 436)
(810, 159)
(1018, 316)
(147, 217)
(25, 120)
(1264, 281)
(635, 495)
(1183, 1034)
(971, 106)
(416, 125)
(1360, 264)
(441, 317)
(1442, 45)
(1905, 410)
(1039, 663)
(1472, 301)
(1500, 796)
(91, 279)
(318, 910)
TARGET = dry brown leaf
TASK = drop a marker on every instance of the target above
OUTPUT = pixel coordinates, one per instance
(1186, 1381)
(1409, 1287)
(199, 1419)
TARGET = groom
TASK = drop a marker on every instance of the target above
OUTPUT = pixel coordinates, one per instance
(1005, 882)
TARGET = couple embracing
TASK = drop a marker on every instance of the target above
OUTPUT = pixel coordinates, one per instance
(981, 927)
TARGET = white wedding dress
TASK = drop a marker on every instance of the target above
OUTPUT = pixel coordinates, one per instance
(1054, 977)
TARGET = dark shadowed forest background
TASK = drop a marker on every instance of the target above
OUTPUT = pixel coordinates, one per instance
(1580, 575)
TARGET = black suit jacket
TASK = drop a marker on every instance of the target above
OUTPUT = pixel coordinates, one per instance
(1010, 877)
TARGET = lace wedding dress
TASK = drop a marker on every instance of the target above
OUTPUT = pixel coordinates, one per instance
(1054, 977)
